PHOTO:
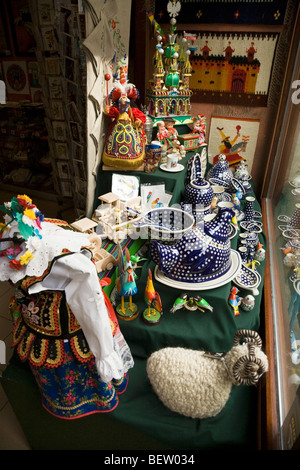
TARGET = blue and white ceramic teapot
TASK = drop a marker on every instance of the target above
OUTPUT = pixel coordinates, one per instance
(202, 254)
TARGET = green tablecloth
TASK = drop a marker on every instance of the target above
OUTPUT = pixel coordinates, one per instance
(174, 182)
(141, 421)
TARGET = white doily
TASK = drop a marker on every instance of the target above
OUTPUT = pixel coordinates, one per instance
(54, 240)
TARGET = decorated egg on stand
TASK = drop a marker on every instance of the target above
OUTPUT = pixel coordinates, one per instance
(289, 260)
(248, 303)
(260, 253)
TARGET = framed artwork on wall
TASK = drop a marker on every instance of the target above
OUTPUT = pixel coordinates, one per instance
(232, 68)
(222, 11)
(5, 47)
(16, 78)
(234, 137)
(21, 27)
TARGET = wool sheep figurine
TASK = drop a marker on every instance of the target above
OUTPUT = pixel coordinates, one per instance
(198, 384)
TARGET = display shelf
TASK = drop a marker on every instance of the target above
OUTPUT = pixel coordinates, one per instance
(282, 328)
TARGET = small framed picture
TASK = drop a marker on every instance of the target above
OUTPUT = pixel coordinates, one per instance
(78, 151)
(70, 70)
(79, 169)
(63, 169)
(52, 65)
(16, 77)
(5, 48)
(45, 12)
(61, 150)
(49, 39)
(66, 188)
(55, 88)
(75, 131)
(59, 131)
(21, 28)
(57, 110)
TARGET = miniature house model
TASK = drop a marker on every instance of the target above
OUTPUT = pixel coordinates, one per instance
(84, 225)
(169, 94)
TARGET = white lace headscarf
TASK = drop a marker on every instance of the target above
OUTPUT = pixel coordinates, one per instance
(32, 242)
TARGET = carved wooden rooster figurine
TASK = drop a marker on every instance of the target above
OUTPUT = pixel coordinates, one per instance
(152, 298)
(234, 300)
(126, 286)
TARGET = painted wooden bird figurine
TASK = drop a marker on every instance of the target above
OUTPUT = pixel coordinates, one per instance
(126, 285)
(153, 301)
(179, 302)
(202, 303)
(234, 300)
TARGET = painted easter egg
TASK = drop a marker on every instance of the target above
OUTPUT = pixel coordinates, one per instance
(248, 303)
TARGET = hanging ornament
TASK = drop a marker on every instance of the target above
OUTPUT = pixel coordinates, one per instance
(174, 7)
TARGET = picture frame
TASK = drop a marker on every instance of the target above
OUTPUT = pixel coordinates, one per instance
(5, 46)
(75, 131)
(16, 77)
(49, 40)
(234, 137)
(55, 88)
(61, 150)
(45, 12)
(57, 109)
(59, 131)
(52, 65)
(66, 187)
(63, 169)
(21, 28)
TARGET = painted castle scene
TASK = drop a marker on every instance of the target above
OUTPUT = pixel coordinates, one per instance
(231, 68)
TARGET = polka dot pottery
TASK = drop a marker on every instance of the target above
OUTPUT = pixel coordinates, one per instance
(221, 170)
(201, 254)
(241, 172)
(295, 219)
(251, 238)
(248, 210)
(165, 223)
(193, 168)
(236, 186)
(198, 192)
(243, 251)
(248, 279)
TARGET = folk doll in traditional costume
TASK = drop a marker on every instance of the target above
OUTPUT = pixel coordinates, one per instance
(200, 128)
(162, 134)
(126, 139)
(171, 132)
(64, 324)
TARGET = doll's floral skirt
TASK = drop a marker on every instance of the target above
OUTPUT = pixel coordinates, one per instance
(74, 389)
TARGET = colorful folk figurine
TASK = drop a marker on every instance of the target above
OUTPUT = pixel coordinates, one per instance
(152, 315)
(126, 286)
(200, 128)
(234, 300)
(202, 303)
(125, 140)
(162, 133)
(252, 264)
(135, 260)
(214, 203)
(236, 201)
(191, 303)
(60, 305)
(260, 253)
(179, 303)
(171, 132)
(248, 303)
(197, 384)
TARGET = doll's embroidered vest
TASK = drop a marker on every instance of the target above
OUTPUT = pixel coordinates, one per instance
(42, 322)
